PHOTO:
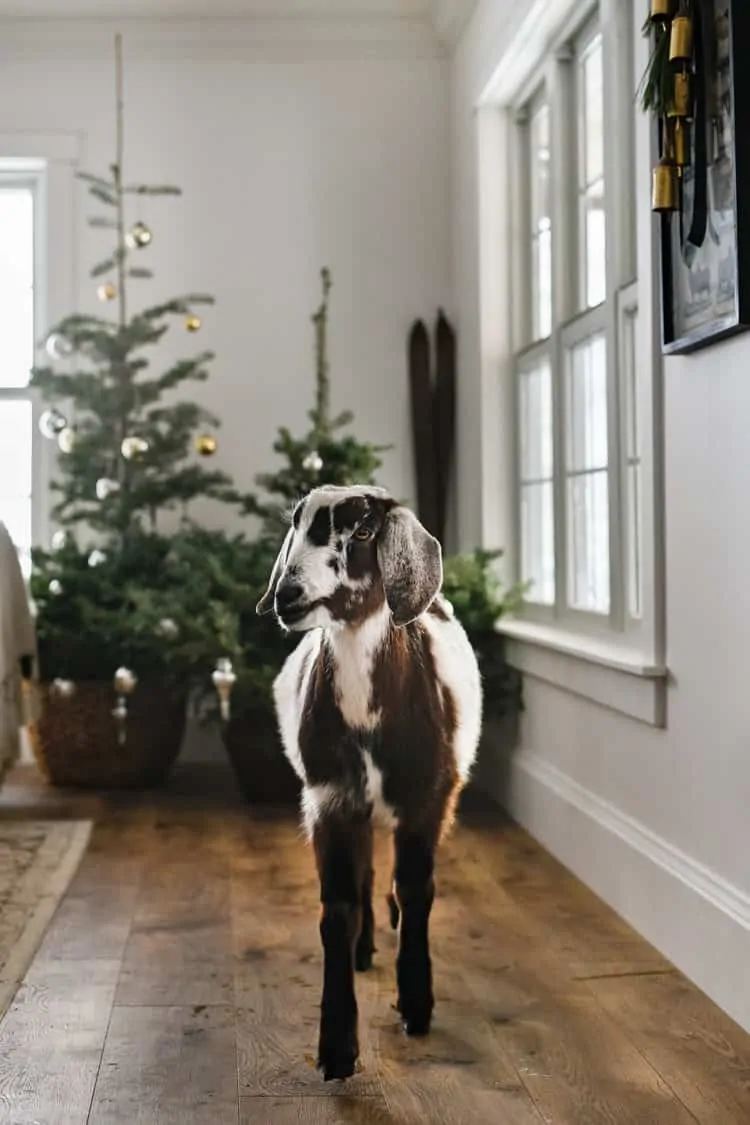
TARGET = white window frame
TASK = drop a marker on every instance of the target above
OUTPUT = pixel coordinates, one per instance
(48, 162)
(616, 659)
(25, 175)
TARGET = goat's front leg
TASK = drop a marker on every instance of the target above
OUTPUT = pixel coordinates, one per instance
(341, 849)
(366, 941)
(414, 888)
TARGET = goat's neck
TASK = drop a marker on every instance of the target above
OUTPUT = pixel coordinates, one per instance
(354, 649)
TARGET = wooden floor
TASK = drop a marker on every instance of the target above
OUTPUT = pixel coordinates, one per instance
(179, 983)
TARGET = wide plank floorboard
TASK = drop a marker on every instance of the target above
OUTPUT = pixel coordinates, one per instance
(179, 984)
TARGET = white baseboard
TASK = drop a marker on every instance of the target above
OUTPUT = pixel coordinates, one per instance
(689, 913)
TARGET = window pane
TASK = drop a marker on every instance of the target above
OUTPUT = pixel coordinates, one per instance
(593, 111)
(588, 542)
(541, 225)
(537, 542)
(535, 423)
(16, 281)
(15, 448)
(15, 475)
(596, 250)
(630, 376)
(634, 539)
(592, 232)
(587, 405)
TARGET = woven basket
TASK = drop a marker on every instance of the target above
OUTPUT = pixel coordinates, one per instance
(262, 771)
(76, 740)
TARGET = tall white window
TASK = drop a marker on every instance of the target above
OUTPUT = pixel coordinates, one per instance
(578, 476)
(17, 346)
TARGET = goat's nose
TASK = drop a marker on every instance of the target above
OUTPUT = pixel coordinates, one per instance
(288, 594)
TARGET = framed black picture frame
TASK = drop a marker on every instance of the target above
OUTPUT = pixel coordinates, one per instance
(705, 288)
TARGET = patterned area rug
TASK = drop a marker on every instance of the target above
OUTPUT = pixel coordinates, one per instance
(38, 859)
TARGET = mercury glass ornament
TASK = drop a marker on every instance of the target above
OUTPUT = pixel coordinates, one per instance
(55, 587)
(105, 487)
(133, 448)
(66, 440)
(224, 680)
(59, 539)
(63, 688)
(168, 628)
(313, 463)
(138, 236)
(125, 681)
(97, 557)
(58, 346)
(52, 423)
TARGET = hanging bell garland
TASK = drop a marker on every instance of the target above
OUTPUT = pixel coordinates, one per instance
(680, 105)
(681, 143)
(664, 189)
(681, 41)
(661, 11)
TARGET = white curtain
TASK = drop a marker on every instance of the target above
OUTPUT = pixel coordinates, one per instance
(17, 640)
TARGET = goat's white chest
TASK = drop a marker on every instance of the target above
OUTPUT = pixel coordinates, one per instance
(382, 812)
(353, 660)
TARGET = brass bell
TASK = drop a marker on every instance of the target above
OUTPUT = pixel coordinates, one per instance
(664, 187)
(661, 10)
(681, 143)
(680, 104)
(681, 40)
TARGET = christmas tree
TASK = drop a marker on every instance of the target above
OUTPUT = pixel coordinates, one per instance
(118, 588)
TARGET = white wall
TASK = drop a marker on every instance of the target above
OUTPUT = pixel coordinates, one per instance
(287, 164)
(655, 821)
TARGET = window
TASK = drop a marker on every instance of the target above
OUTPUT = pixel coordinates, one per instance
(578, 478)
(17, 241)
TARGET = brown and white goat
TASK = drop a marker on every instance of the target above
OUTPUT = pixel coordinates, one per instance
(379, 708)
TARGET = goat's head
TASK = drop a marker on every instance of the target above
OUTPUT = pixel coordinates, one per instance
(349, 551)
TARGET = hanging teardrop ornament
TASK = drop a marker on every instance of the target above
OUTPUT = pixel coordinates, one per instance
(681, 40)
(224, 680)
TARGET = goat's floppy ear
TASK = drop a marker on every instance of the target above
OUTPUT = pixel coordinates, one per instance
(411, 565)
(265, 605)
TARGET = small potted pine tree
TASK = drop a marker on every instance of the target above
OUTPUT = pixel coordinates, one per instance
(128, 612)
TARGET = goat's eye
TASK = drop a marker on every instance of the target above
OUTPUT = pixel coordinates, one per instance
(362, 534)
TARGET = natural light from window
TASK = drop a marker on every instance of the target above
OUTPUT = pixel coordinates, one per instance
(16, 359)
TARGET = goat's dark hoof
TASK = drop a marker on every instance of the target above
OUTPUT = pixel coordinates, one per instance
(393, 911)
(416, 1016)
(337, 1056)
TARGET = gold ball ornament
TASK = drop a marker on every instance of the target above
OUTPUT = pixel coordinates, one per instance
(138, 236)
(133, 448)
(125, 681)
(66, 440)
(206, 445)
(192, 322)
(107, 292)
